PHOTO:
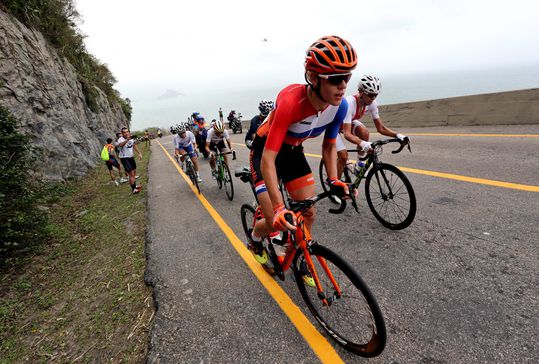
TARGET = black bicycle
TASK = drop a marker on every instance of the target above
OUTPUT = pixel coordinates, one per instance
(190, 169)
(388, 191)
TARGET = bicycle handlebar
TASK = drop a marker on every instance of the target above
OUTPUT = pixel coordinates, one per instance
(403, 143)
(298, 206)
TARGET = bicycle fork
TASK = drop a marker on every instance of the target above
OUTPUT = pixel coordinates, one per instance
(306, 241)
(321, 295)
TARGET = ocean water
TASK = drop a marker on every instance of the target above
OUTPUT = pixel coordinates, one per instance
(151, 111)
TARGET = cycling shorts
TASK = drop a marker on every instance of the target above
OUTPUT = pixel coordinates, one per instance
(220, 146)
(291, 164)
(129, 164)
(339, 142)
(112, 162)
(189, 150)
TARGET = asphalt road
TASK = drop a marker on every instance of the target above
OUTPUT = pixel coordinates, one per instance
(459, 285)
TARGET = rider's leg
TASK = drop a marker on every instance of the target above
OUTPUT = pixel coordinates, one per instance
(263, 226)
(195, 162)
(302, 189)
(362, 132)
(212, 162)
(342, 158)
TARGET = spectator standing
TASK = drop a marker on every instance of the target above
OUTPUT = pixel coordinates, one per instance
(127, 145)
(113, 162)
(221, 114)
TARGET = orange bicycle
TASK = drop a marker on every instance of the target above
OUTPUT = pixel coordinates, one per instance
(339, 299)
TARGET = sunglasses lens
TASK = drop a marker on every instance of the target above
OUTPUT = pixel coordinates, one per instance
(337, 79)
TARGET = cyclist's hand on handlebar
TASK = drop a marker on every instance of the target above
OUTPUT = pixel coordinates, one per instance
(365, 146)
(402, 138)
(338, 187)
(279, 219)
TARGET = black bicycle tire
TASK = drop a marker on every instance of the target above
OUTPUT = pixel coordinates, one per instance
(413, 203)
(227, 171)
(246, 226)
(377, 342)
(193, 175)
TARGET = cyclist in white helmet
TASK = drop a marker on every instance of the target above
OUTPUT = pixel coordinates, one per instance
(184, 143)
(216, 140)
(264, 107)
(353, 129)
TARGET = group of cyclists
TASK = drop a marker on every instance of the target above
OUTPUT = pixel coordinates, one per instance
(275, 137)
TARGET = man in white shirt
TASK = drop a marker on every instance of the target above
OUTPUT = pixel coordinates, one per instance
(127, 145)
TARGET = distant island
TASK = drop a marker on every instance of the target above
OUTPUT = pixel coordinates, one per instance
(170, 94)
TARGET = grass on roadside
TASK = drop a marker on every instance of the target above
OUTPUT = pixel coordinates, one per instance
(82, 296)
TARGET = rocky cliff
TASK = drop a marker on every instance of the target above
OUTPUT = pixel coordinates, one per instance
(43, 92)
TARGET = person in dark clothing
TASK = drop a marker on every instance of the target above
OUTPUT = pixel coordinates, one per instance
(265, 107)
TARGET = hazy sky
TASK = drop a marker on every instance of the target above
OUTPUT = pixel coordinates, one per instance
(215, 46)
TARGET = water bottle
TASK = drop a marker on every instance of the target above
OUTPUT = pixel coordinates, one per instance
(359, 167)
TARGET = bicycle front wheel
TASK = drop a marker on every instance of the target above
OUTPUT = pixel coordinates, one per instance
(390, 196)
(193, 175)
(352, 317)
(227, 181)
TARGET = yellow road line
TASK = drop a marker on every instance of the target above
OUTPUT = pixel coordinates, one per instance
(477, 135)
(458, 177)
(318, 343)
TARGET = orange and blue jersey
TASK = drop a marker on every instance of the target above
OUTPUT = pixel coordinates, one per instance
(294, 119)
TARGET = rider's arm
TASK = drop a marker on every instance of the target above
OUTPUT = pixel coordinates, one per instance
(208, 140)
(329, 154)
(135, 148)
(252, 129)
(121, 144)
(382, 129)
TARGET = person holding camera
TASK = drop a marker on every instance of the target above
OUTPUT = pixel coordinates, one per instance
(127, 145)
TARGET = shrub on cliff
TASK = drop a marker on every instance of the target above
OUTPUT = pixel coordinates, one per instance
(57, 21)
(22, 223)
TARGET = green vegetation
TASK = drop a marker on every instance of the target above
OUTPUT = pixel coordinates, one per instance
(22, 221)
(57, 21)
(82, 297)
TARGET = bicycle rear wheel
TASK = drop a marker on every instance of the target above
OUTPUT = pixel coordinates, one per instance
(390, 196)
(353, 319)
(227, 181)
(248, 222)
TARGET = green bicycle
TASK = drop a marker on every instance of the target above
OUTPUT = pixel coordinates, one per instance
(222, 175)
(388, 191)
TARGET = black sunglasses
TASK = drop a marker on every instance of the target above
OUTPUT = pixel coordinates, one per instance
(336, 79)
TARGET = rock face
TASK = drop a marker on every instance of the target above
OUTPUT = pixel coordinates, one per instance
(42, 91)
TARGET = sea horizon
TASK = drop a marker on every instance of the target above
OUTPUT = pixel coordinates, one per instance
(166, 107)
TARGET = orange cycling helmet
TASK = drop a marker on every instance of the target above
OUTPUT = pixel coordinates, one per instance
(330, 54)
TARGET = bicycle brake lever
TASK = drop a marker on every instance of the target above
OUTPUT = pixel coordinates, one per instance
(409, 148)
(340, 209)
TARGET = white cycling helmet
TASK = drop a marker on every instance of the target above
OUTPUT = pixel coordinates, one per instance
(369, 85)
(265, 107)
(218, 126)
(180, 129)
